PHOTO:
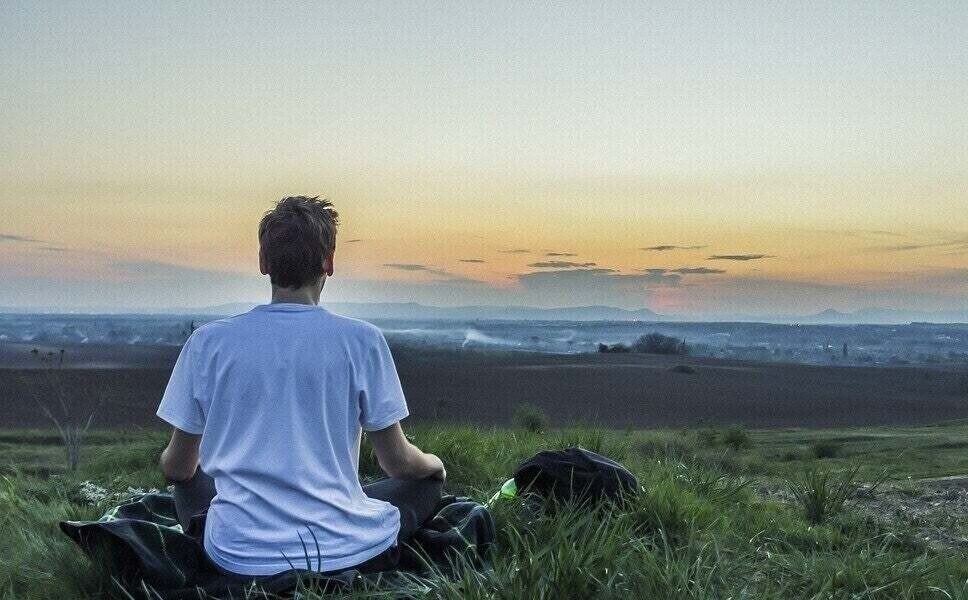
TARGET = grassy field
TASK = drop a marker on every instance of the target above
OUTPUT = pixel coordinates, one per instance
(719, 515)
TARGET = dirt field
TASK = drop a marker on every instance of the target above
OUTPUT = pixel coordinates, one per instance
(622, 391)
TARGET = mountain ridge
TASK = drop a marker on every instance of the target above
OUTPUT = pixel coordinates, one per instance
(416, 311)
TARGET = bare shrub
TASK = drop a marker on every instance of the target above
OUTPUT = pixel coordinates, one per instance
(708, 436)
(530, 418)
(71, 420)
(656, 343)
(614, 349)
(737, 438)
(825, 449)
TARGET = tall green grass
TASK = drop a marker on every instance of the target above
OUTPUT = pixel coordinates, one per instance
(822, 493)
(698, 528)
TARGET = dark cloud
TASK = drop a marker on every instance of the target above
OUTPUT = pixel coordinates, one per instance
(570, 272)
(653, 277)
(697, 271)
(9, 237)
(667, 247)
(739, 257)
(445, 276)
(415, 267)
(515, 251)
(561, 264)
(406, 266)
(473, 260)
(562, 254)
(600, 276)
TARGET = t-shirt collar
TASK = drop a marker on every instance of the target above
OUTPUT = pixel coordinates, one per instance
(287, 307)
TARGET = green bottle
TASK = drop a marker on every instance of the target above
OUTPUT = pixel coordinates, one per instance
(508, 490)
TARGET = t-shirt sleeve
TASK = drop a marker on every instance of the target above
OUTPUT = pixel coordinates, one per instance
(382, 402)
(180, 405)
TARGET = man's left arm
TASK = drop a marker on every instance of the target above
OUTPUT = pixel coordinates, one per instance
(180, 408)
(180, 458)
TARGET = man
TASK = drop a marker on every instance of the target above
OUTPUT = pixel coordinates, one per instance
(268, 409)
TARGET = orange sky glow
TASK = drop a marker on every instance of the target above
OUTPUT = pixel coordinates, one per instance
(690, 160)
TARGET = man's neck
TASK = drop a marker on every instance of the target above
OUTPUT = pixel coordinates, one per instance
(305, 295)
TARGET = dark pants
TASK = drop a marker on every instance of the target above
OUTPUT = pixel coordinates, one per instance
(415, 499)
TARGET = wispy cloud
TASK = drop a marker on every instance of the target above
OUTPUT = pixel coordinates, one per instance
(877, 232)
(934, 289)
(10, 237)
(23, 239)
(952, 244)
(473, 260)
(151, 269)
(561, 264)
(856, 233)
(562, 254)
(515, 251)
(739, 257)
(353, 241)
(927, 279)
(667, 247)
(904, 247)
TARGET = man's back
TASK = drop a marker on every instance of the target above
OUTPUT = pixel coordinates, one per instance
(279, 395)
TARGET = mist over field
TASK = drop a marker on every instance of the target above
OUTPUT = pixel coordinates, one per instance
(822, 344)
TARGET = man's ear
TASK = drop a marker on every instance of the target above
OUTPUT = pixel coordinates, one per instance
(263, 263)
(328, 265)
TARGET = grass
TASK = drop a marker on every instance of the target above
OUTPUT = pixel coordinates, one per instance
(700, 528)
(822, 493)
(824, 449)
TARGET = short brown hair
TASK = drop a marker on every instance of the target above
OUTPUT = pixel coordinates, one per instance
(295, 237)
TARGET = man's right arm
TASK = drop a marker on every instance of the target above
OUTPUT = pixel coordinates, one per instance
(402, 460)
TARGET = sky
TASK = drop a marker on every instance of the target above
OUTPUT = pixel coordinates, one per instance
(747, 158)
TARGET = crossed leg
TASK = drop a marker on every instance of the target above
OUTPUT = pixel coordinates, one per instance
(414, 498)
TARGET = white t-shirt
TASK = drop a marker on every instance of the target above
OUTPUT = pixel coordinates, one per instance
(280, 395)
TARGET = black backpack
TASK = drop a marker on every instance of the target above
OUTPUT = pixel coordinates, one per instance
(574, 474)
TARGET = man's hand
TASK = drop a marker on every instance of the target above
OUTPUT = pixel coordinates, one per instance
(441, 473)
